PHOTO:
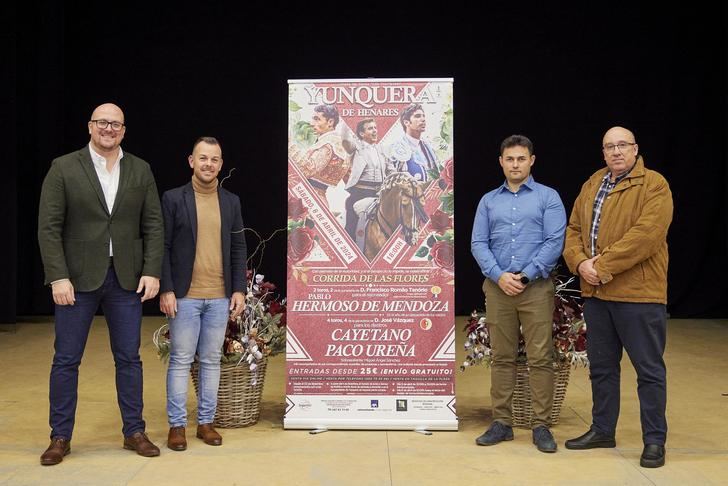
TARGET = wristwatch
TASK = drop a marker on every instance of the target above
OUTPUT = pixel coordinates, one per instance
(524, 279)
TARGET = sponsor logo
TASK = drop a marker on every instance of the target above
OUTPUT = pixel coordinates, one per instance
(401, 405)
(375, 403)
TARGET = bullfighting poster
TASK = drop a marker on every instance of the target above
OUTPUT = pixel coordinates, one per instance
(371, 329)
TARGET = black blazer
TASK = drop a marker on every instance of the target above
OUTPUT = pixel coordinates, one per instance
(180, 239)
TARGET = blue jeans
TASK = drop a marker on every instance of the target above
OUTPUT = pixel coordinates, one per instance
(199, 327)
(123, 311)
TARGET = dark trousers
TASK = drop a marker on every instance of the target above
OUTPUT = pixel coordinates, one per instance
(123, 311)
(640, 329)
(356, 194)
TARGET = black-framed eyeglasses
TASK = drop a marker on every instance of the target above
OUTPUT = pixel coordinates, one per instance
(104, 124)
(622, 146)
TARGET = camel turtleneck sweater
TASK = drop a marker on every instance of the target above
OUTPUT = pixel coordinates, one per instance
(207, 274)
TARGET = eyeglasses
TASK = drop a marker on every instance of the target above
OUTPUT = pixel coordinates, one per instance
(622, 146)
(104, 124)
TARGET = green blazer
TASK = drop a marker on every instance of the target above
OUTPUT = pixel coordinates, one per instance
(75, 226)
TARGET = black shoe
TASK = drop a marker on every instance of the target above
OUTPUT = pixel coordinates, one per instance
(653, 455)
(497, 432)
(591, 440)
(543, 439)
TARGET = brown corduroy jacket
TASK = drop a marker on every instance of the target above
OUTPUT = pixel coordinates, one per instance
(632, 236)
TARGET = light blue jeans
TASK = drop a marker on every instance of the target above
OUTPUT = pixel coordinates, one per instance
(199, 327)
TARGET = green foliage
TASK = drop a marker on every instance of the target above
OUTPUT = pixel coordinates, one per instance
(295, 224)
(446, 126)
(449, 235)
(434, 174)
(303, 133)
(448, 202)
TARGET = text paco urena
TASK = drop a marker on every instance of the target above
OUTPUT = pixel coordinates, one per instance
(369, 306)
(371, 342)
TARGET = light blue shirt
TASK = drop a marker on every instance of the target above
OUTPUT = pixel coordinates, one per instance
(519, 232)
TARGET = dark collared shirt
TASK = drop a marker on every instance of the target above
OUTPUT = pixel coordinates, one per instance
(604, 190)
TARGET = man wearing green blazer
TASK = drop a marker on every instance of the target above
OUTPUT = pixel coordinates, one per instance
(101, 239)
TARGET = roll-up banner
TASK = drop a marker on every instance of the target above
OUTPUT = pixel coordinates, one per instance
(371, 329)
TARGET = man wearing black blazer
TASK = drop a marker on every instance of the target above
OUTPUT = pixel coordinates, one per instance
(100, 236)
(203, 284)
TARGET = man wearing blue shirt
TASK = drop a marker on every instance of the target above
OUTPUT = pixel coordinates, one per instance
(518, 235)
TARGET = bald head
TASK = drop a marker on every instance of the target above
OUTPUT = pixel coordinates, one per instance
(620, 150)
(105, 139)
(108, 108)
(621, 133)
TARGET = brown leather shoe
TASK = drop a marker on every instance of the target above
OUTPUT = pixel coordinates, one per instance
(209, 435)
(54, 454)
(176, 439)
(140, 443)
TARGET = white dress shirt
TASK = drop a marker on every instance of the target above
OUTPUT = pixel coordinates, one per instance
(109, 180)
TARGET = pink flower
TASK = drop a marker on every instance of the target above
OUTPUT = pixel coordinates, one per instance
(448, 173)
(443, 254)
(440, 221)
(296, 209)
(300, 243)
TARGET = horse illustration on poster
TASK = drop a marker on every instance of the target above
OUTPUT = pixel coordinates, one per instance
(400, 203)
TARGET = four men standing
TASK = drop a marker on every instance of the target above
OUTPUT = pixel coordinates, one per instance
(103, 242)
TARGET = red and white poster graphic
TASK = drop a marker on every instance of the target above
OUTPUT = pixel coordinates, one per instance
(371, 328)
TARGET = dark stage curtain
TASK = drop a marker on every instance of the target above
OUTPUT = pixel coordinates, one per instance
(560, 76)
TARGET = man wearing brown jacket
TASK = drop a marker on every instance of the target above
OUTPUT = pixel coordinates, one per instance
(616, 242)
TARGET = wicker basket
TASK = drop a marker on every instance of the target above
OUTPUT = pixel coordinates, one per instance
(238, 403)
(522, 409)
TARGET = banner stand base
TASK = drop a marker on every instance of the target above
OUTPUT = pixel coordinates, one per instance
(425, 427)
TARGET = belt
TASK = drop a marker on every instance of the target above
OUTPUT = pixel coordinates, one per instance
(318, 184)
(368, 185)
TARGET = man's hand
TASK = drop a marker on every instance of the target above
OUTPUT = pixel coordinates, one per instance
(510, 283)
(168, 304)
(63, 292)
(150, 286)
(237, 304)
(588, 272)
